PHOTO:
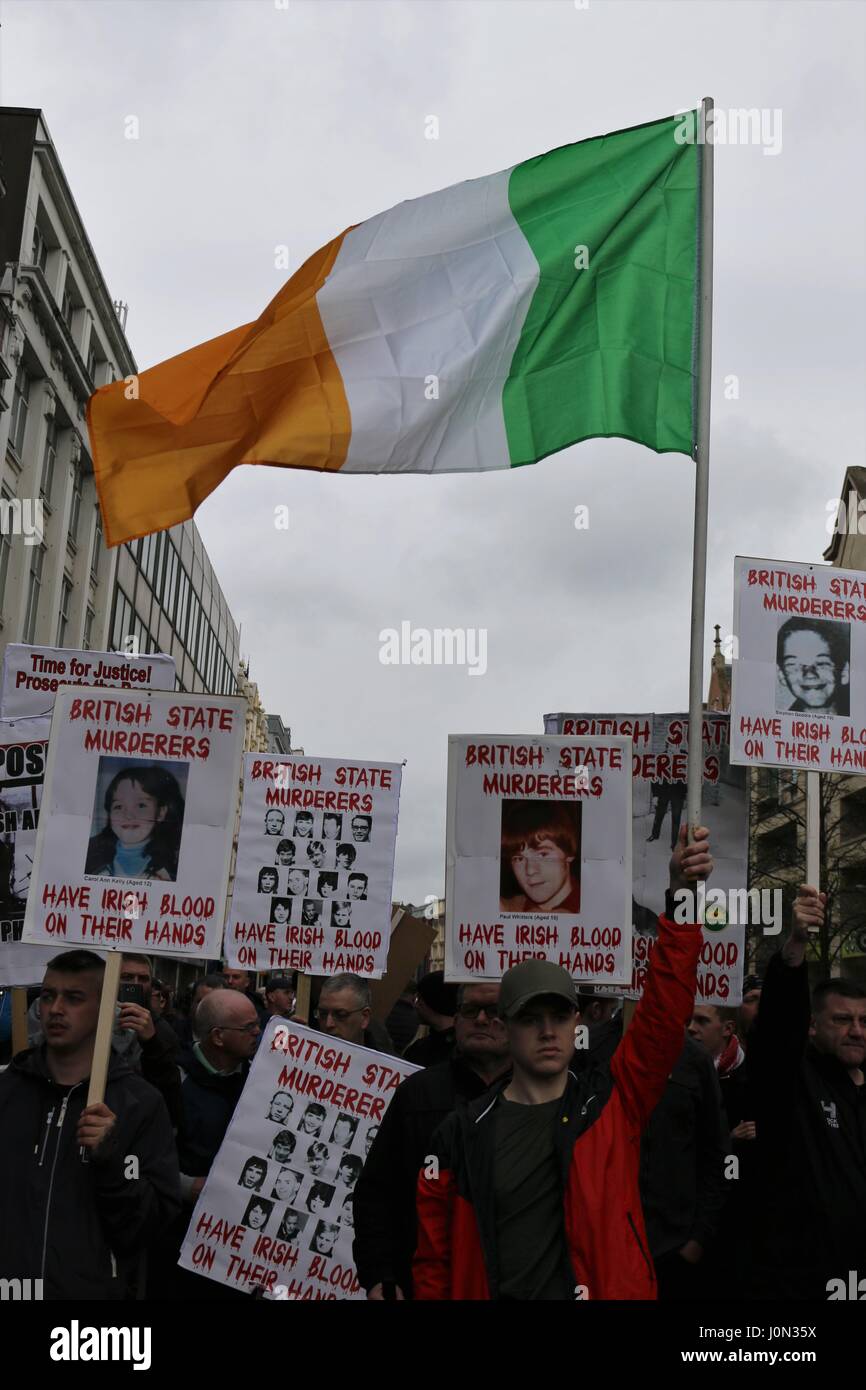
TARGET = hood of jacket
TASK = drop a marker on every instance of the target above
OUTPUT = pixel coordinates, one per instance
(33, 1062)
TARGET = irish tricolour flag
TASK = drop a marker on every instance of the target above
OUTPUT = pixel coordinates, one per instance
(484, 326)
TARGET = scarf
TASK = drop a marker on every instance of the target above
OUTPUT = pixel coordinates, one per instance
(730, 1057)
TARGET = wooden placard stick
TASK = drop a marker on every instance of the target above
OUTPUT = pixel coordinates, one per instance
(302, 997)
(104, 1029)
(19, 1020)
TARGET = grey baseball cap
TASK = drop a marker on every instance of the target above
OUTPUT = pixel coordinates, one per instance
(530, 979)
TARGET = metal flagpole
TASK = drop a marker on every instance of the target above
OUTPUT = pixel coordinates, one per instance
(702, 465)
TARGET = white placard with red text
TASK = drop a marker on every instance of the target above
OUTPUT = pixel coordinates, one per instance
(315, 865)
(276, 1212)
(799, 675)
(33, 675)
(138, 812)
(538, 856)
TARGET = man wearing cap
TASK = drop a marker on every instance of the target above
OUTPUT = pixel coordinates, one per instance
(436, 1004)
(531, 1191)
(279, 997)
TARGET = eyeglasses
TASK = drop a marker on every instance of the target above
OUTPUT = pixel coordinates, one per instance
(471, 1011)
(250, 1028)
(338, 1015)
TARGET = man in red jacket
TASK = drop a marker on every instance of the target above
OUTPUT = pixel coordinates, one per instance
(531, 1191)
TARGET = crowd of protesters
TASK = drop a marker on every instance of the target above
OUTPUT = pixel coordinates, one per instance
(546, 1151)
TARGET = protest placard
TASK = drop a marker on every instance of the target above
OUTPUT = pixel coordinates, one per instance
(276, 1211)
(315, 865)
(799, 672)
(23, 755)
(33, 675)
(660, 767)
(538, 856)
(138, 814)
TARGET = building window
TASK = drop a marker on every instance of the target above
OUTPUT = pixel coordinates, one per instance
(182, 606)
(852, 817)
(92, 361)
(20, 408)
(63, 619)
(75, 510)
(67, 307)
(96, 553)
(194, 615)
(37, 555)
(88, 628)
(46, 482)
(5, 548)
(777, 850)
(767, 780)
(39, 254)
(171, 567)
(121, 627)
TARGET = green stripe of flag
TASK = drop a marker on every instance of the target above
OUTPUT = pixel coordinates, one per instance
(609, 349)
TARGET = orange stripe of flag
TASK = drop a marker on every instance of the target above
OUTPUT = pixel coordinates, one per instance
(269, 392)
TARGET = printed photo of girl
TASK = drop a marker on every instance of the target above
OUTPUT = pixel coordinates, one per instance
(138, 825)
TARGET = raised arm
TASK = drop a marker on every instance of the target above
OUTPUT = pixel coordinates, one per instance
(650, 1047)
(779, 1036)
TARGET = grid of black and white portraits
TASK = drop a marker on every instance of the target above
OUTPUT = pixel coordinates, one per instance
(302, 1188)
(312, 866)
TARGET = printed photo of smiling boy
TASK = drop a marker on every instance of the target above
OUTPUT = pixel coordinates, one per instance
(813, 663)
(539, 864)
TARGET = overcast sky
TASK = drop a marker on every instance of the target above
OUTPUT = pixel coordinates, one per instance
(261, 126)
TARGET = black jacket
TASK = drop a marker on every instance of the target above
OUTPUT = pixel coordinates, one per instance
(682, 1159)
(80, 1223)
(430, 1051)
(385, 1223)
(736, 1091)
(811, 1149)
(207, 1104)
(156, 1059)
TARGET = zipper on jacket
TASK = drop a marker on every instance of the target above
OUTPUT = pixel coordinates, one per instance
(45, 1137)
(640, 1246)
(60, 1119)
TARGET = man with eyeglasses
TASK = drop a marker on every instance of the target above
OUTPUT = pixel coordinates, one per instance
(385, 1220)
(812, 656)
(531, 1192)
(214, 1071)
(344, 1012)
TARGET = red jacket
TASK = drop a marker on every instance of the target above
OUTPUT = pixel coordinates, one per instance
(603, 1113)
